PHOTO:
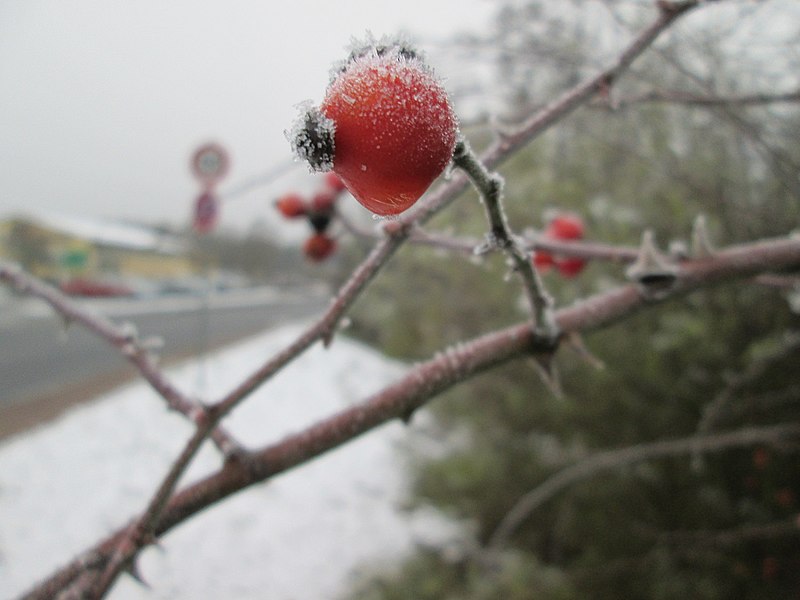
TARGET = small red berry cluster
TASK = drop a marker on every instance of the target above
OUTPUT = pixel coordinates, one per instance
(319, 212)
(562, 227)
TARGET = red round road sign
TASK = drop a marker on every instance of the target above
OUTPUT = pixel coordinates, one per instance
(210, 163)
(206, 212)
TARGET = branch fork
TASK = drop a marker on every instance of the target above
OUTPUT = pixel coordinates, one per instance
(490, 187)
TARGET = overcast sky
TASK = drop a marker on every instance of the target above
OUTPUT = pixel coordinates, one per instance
(103, 101)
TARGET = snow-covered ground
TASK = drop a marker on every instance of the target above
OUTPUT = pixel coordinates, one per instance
(300, 536)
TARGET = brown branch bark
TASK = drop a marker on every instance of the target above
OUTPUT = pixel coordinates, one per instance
(124, 339)
(700, 100)
(490, 186)
(430, 378)
(733, 537)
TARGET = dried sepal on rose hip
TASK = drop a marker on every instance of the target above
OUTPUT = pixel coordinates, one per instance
(386, 128)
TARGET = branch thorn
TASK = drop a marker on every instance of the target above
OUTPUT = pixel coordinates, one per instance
(576, 342)
(546, 366)
(701, 243)
(136, 573)
(651, 270)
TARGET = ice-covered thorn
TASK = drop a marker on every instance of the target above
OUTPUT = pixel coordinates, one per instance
(678, 250)
(408, 415)
(500, 130)
(483, 248)
(129, 332)
(576, 342)
(136, 573)
(701, 244)
(129, 349)
(651, 270)
(545, 364)
(65, 322)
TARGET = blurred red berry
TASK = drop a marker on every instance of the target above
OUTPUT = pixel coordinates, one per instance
(760, 458)
(323, 201)
(784, 497)
(333, 183)
(570, 267)
(751, 482)
(770, 568)
(291, 206)
(385, 127)
(563, 227)
(543, 261)
(319, 247)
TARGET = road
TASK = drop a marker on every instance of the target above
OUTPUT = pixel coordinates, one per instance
(45, 368)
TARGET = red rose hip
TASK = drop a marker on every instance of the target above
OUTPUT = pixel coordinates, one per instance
(291, 206)
(385, 127)
(564, 227)
(319, 247)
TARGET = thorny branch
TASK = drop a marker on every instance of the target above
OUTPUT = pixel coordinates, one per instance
(125, 339)
(93, 574)
(490, 186)
(424, 382)
(398, 231)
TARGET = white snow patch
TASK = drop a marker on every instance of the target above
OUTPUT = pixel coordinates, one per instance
(300, 536)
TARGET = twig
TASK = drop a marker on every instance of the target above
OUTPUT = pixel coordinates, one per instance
(699, 100)
(616, 459)
(733, 537)
(715, 409)
(141, 532)
(122, 337)
(490, 187)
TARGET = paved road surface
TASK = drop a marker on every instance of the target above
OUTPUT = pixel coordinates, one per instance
(45, 368)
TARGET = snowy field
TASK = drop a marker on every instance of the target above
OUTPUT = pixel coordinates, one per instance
(301, 536)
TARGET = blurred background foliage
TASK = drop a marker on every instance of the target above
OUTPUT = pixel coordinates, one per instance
(648, 531)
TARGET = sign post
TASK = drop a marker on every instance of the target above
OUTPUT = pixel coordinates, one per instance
(209, 164)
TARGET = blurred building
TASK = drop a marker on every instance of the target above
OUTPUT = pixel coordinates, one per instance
(64, 248)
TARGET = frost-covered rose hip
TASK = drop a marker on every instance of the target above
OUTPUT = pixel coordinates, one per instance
(385, 127)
